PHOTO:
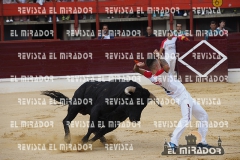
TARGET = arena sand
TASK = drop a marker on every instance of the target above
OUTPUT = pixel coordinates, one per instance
(147, 140)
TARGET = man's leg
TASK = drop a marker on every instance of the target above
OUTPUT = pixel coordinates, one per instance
(201, 115)
(172, 65)
(186, 110)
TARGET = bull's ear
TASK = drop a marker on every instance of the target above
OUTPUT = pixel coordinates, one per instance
(129, 89)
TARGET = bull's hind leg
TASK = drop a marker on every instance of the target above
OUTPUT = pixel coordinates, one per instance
(72, 113)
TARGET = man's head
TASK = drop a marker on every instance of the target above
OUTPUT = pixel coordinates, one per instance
(222, 24)
(149, 30)
(178, 27)
(170, 35)
(105, 28)
(213, 25)
(153, 65)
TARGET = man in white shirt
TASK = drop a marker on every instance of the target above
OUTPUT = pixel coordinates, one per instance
(221, 25)
(222, 29)
(105, 33)
(169, 46)
(178, 31)
(159, 75)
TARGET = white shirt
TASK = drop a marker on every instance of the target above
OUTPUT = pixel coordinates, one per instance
(220, 29)
(224, 31)
(169, 46)
(180, 33)
(107, 36)
(172, 87)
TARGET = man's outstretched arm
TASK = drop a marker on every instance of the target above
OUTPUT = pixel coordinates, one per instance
(136, 68)
(164, 64)
(162, 61)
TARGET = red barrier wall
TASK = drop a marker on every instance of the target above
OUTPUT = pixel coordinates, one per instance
(233, 49)
(202, 59)
(11, 64)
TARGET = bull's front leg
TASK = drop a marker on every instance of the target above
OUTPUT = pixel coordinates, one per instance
(103, 140)
(93, 126)
(100, 134)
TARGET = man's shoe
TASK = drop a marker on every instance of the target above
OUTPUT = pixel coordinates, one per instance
(172, 146)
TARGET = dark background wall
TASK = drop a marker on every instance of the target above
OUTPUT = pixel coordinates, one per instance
(11, 64)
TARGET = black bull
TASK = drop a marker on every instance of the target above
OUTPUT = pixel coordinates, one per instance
(112, 101)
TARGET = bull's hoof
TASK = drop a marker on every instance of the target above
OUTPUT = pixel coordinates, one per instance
(67, 138)
(103, 140)
(84, 141)
(90, 142)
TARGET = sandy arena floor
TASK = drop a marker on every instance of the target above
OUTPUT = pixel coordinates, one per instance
(147, 141)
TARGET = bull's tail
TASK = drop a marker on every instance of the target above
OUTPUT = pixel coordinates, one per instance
(64, 100)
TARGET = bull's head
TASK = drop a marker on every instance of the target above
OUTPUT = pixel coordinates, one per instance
(141, 96)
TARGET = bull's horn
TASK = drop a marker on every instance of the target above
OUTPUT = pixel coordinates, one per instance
(152, 96)
(155, 99)
(129, 89)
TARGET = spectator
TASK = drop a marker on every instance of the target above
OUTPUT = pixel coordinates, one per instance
(212, 31)
(221, 27)
(169, 46)
(40, 2)
(149, 32)
(47, 18)
(22, 1)
(8, 19)
(178, 31)
(105, 33)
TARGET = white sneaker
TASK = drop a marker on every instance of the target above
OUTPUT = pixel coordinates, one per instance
(21, 20)
(108, 17)
(50, 20)
(112, 17)
(7, 21)
(11, 20)
(185, 14)
(57, 19)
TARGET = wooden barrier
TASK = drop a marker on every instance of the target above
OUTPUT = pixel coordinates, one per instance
(107, 56)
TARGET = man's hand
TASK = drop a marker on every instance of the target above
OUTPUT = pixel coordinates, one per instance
(156, 53)
(137, 69)
(140, 64)
(137, 65)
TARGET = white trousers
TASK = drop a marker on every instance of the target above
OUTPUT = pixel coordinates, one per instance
(189, 107)
(171, 60)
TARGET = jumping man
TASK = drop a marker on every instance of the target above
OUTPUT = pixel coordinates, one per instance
(159, 75)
